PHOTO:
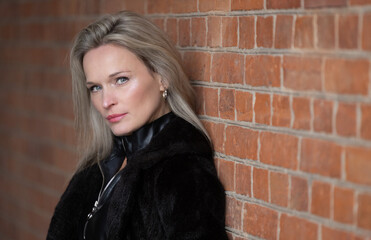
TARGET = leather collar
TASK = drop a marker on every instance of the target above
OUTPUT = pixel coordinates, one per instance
(128, 145)
(143, 136)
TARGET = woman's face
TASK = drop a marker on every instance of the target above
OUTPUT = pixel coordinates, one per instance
(122, 88)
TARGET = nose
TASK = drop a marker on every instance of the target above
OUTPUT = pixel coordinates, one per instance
(109, 99)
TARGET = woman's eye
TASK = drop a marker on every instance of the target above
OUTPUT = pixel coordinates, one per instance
(121, 80)
(94, 88)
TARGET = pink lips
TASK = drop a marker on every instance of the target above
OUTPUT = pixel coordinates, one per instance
(115, 117)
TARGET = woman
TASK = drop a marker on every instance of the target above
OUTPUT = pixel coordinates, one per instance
(147, 167)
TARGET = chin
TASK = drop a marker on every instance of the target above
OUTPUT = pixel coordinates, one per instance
(121, 132)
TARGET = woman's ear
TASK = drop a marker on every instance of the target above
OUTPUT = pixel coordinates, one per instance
(162, 83)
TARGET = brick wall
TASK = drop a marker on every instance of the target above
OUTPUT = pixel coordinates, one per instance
(284, 89)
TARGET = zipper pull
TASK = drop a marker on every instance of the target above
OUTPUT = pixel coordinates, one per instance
(90, 215)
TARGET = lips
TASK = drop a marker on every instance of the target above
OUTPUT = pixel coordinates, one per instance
(115, 117)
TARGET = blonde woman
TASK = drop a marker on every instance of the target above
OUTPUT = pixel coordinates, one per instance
(147, 169)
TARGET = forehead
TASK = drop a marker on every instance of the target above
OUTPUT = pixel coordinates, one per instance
(106, 59)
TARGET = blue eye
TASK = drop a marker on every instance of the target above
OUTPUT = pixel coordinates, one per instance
(94, 88)
(121, 80)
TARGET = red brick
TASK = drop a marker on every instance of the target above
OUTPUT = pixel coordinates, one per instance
(71, 7)
(226, 174)
(216, 132)
(264, 32)
(213, 5)
(365, 121)
(135, 6)
(321, 197)
(260, 186)
(50, 31)
(241, 142)
(343, 205)
(247, 4)
(320, 157)
(283, 34)
(211, 102)
(263, 70)
(262, 108)
(184, 32)
(233, 213)
(244, 108)
(159, 6)
(360, 2)
(346, 119)
(214, 33)
(283, 156)
(260, 221)
(200, 102)
(279, 188)
(34, 55)
(240, 238)
(198, 36)
(43, 128)
(302, 73)
(229, 31)
(25, 215)
(10, 9)
(329, 233)
(243, 179)
(216, 163)
(227, 68)
(197, 65)
(302, 115)
(39, 104)
(227, 104)
(325, 3)
(326, 31)
(347, 76)
(322, 115)
(348, 31)
(294, 228)
(366, 31)
(172, 29)
(9, 32)
(30, 196)
(364, 211)
(33, 172)
(281, 111)
(159, 22)
(304, 37)
(358, 165)
(184, 6)
(298, 194)
(281, 4)
(246, 29)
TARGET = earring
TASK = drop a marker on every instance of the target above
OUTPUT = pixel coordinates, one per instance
(164, 94)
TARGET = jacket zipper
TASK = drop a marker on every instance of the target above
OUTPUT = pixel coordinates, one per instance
(96, 203)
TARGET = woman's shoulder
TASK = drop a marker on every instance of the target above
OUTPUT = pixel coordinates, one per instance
(82, 180)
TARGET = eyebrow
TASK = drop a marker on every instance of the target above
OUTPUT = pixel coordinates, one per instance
(110, 76)
(116, 73)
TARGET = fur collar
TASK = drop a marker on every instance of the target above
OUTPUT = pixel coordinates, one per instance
(177, 137)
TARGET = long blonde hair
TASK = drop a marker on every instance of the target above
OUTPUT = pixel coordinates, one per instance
(151, 45)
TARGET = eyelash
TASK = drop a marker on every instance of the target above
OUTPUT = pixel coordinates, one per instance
(125, 79)
(94, 89)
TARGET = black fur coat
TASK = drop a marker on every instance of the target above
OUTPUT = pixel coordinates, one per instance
(169, 190)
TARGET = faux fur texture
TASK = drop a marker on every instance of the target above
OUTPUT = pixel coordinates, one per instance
(168, 190)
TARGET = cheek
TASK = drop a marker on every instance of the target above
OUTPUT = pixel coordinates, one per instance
(136, 94)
